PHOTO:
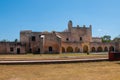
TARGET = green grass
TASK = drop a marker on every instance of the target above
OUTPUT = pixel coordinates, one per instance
(74, 71)
(53, 56)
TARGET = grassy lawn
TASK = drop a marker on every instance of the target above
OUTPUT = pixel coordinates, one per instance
(53, 56)
(74, 71)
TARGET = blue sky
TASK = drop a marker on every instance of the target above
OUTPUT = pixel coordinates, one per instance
(49, 15)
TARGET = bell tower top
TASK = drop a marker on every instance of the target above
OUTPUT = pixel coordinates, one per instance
(70, 25)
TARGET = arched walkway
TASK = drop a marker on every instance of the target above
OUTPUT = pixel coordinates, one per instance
(85, 49)
(77, 49)
(111, 48)
(63, 50)
(69, 49)
(105, 49)
(99, 49)
(93, 49)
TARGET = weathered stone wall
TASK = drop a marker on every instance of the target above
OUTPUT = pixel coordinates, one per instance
(76, 34)
(12, 48)
(96, 39)
(70, 47)
(83, 32)
(74, 39)
(39, 42)
(65, 36)
(52, 43)
(25, 38)
(3, 48)
(35, 42)
(32, 41)
(117, 46)
(75, 47)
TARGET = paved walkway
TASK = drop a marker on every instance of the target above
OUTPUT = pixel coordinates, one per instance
(7, 62)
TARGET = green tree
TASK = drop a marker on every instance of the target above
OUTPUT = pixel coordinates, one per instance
(16, 40)
(106, 38)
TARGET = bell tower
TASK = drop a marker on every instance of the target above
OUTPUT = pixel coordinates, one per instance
(69, 25)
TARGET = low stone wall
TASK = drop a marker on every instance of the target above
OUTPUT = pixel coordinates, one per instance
(113, 56)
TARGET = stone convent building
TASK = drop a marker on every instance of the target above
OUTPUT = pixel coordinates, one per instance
(73, 40)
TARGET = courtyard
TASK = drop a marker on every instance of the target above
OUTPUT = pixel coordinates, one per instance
(104, 70)
(77, 71)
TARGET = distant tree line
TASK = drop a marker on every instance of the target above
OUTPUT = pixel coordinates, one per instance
(5, 40)
(107, 38)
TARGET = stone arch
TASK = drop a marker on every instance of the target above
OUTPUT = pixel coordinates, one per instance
(111, 48)
(69, 49)
(85, 48)
(99, 49)
(50, 48)
(63, 50)
(93, 49)
(105, 49)
(77, 49)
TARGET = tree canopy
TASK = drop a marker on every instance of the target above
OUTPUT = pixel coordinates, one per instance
(106, 38)
(16, 40)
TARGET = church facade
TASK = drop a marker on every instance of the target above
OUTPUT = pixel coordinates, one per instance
(73, 40)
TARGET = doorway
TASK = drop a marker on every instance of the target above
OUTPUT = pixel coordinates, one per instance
(18, 50)
(85, 49)
(50, 49)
